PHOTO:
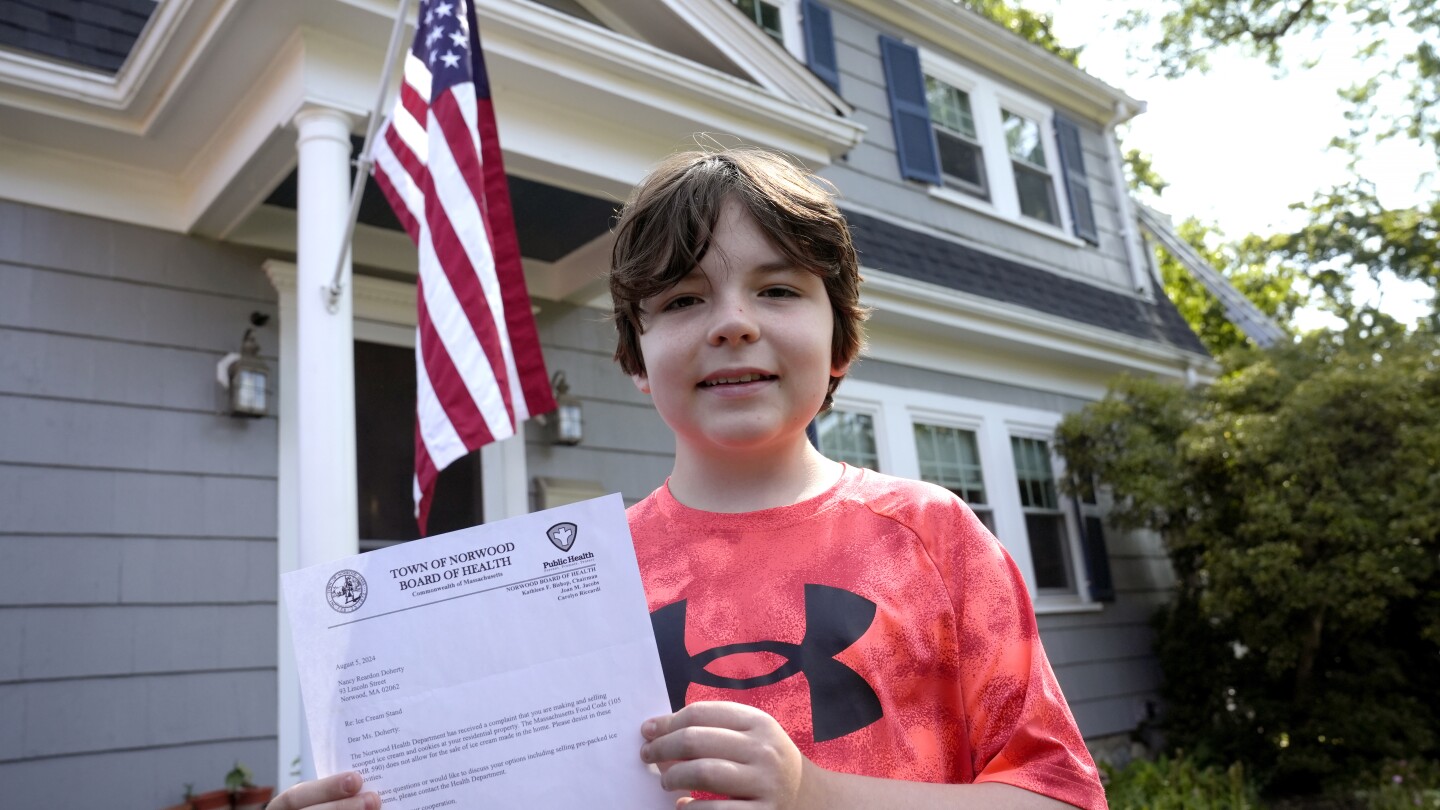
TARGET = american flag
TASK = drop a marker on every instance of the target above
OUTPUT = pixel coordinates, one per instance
(478, 367)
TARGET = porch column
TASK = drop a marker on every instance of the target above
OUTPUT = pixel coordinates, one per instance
(326, 499)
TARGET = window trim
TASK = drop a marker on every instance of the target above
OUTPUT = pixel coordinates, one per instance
(1073, 546)
(894, 410)
(980, 193)
(987, 100)
(791, 34)
(963, 422)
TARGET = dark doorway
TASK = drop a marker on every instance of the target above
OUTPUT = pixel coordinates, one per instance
(385, 454)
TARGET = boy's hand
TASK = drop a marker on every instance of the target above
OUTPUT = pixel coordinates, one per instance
(729, 749)
(336, 792)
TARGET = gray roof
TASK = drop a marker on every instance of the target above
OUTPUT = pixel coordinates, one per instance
(97, 34)
(922, 257)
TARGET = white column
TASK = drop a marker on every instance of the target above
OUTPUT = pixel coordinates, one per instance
(503, 475)
(325, 421)
(290, 720)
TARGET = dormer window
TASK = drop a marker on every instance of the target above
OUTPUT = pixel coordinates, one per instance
(1033, 181)
(766, 15)
(962, 158)
(986, 146)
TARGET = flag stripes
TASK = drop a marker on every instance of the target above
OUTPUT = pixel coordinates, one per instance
(479, 368)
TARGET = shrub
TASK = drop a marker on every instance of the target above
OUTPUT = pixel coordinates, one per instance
(1178, 784)
(1403, 785)
(1299, 498)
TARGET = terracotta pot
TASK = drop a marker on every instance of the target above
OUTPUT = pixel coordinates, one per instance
(210, 800)
(253, 798)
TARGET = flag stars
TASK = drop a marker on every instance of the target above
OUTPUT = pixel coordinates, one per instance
(435, 33)
(450, 59)
(459, 38)
(444, 9)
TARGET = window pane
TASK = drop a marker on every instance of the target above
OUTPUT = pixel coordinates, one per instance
(1049, 552)
(986, 516)
(951, 458)
(961, 161)
(1044, 522)
(1032, 470)
(766, 15)
(1037, 193)
(848, 437)
(949, 107)
(1022, 137)
(770, 19)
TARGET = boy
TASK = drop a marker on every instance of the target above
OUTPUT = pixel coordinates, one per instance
(842, 638)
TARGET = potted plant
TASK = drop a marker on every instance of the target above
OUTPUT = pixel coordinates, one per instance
(244, 795)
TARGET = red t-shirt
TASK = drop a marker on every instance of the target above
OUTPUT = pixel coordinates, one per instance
(880, 623)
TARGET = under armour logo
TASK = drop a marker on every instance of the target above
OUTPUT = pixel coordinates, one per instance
(841, 702)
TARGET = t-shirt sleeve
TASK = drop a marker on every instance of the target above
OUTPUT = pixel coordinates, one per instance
(1021, 730)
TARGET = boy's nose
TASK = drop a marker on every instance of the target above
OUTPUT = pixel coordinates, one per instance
(733, 323)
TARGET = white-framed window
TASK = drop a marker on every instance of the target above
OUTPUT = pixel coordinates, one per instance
(950, 457)
(996, 147)
(1045, 520)
(766, 15)
(962, 156)
(997, 458)
(1034, 182)
(779, 19)
(848, 435)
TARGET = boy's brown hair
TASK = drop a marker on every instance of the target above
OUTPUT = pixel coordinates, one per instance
(666, 227)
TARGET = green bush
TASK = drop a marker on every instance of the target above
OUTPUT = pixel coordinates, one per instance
(1403, 785)
(1178, 784)
(1299, 499)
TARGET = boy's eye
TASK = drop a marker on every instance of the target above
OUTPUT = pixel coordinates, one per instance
(779, 292)
(680, 302)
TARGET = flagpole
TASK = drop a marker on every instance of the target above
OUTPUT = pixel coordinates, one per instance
(365, 161)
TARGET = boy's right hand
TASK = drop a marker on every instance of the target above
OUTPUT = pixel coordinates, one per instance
(340, 791)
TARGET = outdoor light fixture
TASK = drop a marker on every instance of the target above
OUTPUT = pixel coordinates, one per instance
(568, 427)
(246, 377)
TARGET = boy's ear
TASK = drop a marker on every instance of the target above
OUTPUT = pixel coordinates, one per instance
(642, 382)
(840, 370)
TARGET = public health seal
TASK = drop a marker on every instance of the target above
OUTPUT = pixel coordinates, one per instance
(563, 535)
(347, 591)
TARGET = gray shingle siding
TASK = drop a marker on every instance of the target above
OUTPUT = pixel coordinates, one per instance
(627, 448)
(137, 523)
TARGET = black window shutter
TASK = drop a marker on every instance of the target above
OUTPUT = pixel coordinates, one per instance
(909, 113)
(820, 43)
(1077, 182)
(1097, 559)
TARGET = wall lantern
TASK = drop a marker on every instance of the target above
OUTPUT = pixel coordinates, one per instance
(568, 427)
(246, 377)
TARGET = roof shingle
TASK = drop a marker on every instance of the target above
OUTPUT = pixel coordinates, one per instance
(885, 246)
(96, 34)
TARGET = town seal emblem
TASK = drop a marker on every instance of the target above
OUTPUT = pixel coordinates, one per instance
(347, 591)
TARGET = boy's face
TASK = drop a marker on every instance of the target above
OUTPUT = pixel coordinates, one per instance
(737, 354)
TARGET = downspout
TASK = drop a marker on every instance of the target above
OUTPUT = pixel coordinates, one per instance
(1129, 232)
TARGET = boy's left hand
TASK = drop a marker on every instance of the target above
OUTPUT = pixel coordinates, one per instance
(730, 749)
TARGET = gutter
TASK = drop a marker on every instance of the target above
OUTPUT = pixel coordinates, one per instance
(1129, 232)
